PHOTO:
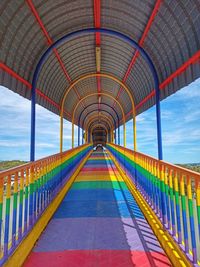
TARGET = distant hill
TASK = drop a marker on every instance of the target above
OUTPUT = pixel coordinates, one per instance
(191, 166)
(4, 165)
(7, 164)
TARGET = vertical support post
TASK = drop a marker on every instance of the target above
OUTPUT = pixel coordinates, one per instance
(61, 133)
(118, 134)
(79, 135)
(33, 102)
(124, 134)
(72, 134)
(82, 136)
(158, 119)
(134, 134)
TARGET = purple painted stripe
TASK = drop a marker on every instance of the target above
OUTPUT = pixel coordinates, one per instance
(98, 233)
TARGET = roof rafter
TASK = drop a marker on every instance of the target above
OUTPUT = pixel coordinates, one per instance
(29, 86)
(195, 58)
(50, 42)
(97, 24)
(141, 42)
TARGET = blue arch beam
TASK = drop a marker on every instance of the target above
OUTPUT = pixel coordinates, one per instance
(90, 31)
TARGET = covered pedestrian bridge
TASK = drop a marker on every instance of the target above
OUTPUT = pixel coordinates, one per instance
(99, 64)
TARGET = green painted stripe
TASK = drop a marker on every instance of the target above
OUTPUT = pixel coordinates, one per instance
(198, 213)
(15, 200)
(177, 197)
(7, 206)
(190, 206)
(183, 202)
(1, 211)
(21, 194)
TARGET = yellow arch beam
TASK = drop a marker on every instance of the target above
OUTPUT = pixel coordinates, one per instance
(93, 94)
(90, 76)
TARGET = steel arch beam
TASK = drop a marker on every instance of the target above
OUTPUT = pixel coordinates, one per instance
(80, 101)
(100, 111)
(103, 126)
(114, 124)
(93, 124)
(109, 76)
(87, 31)
(79, 119)
(101, 117)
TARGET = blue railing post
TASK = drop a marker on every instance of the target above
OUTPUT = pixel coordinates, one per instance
(78, 135)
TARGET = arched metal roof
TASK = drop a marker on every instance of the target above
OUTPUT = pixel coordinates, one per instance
(169, 31)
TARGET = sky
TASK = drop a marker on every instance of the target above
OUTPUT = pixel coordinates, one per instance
(180, 115)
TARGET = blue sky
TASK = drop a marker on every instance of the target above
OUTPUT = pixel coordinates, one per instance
(180, 128)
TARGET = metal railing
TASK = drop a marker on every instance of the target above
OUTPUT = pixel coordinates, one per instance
(27, 190)
(171, 191)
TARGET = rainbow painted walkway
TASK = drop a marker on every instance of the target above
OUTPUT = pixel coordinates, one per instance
(98, 224)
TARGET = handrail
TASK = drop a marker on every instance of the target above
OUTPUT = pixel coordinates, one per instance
(17, 168)
(172, 192)
(189, 172)
(27, 190)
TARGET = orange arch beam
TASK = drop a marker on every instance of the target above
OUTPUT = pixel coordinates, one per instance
(90, 76)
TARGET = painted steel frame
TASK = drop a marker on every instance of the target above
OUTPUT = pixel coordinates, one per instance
(98, 75)
(118, 121)
(103, 118)
(101, 125)
(89, 31)
(100, 111)
(74, 111)
(93, 127)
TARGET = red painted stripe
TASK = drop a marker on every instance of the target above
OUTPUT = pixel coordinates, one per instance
(61, 64)
(133, 60)
(47, 98)
(15, 75)
(50, 41)
(195, 58)
(97, 24)
(97, 20)
(151, 19)
(100, 258)
(34, 11)
(144, 35)
(190, 61)
(25, 82)
(141, 42)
